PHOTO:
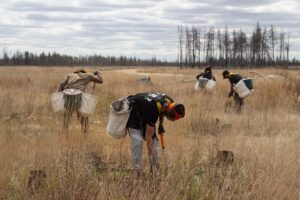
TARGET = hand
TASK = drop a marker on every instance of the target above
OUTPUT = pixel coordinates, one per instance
(161, 129)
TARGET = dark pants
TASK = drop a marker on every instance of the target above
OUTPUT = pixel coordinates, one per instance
(72, 104)
(238, 102)
(84, 120)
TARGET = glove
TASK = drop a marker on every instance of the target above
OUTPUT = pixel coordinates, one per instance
(161, 129)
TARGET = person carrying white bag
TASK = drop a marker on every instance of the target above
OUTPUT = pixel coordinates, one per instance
(71, 97)
(239, 90)
(206, 80)
(144, 110)
(138, 115)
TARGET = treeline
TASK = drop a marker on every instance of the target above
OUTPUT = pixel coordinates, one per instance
(55, 59)
(265, 46)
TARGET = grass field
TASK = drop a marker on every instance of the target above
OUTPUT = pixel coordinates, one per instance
(264, 139)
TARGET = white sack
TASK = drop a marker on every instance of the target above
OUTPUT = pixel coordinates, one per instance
(57, 101)
(242, 89)
(88, 104)
(197, 85)
(210, 85)
(118, 119)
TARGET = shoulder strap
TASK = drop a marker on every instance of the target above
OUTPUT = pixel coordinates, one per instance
(160, 107)
(161, 100)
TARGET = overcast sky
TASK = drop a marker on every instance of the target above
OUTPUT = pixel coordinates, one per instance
(133, 27)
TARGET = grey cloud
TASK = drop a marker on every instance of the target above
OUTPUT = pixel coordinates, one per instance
(243, 3)
(248, 2)
(205, 14)
(44, 18)
(33, 7)
(83, 8)
(132, 27)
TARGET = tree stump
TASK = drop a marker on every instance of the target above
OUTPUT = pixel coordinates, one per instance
(225, 158)
(36, 180)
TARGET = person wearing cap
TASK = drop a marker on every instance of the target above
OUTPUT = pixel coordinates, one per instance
(206, 74)
(76, 83)
(234, 78)
(147, 109)
(79, 80)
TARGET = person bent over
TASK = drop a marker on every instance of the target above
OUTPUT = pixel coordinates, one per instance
(73, 86)
(147, 109)
(234, 79)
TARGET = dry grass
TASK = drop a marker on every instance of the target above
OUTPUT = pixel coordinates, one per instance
(264, 139)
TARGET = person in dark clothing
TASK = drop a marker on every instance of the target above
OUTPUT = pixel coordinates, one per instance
(206, 74)
(147, 109)
(234, 79)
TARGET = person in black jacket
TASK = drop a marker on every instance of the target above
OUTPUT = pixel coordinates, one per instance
(206, 74)
(147, 109)
(234, 79)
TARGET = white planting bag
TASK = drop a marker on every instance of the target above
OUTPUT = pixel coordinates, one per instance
(57, 101)
(72, 92)
(210, 85)
(197, 85)
(205, 83)
(88, 104)
(118, 118)
(202, 82)
(242, 89)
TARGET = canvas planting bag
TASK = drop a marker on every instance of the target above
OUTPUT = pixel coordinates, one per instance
(57, 101)
(118, 118)
(205, 83)
(201, 83)
(88, 104)
(210, 85)
(242, 89)
(74, 99)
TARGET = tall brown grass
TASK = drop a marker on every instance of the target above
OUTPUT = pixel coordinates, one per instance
(264, 139)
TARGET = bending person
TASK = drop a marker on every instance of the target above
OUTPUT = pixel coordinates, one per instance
(147, 109)
(77, 82)
(234, 79)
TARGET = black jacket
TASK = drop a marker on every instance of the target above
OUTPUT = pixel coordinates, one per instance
(207, 75)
